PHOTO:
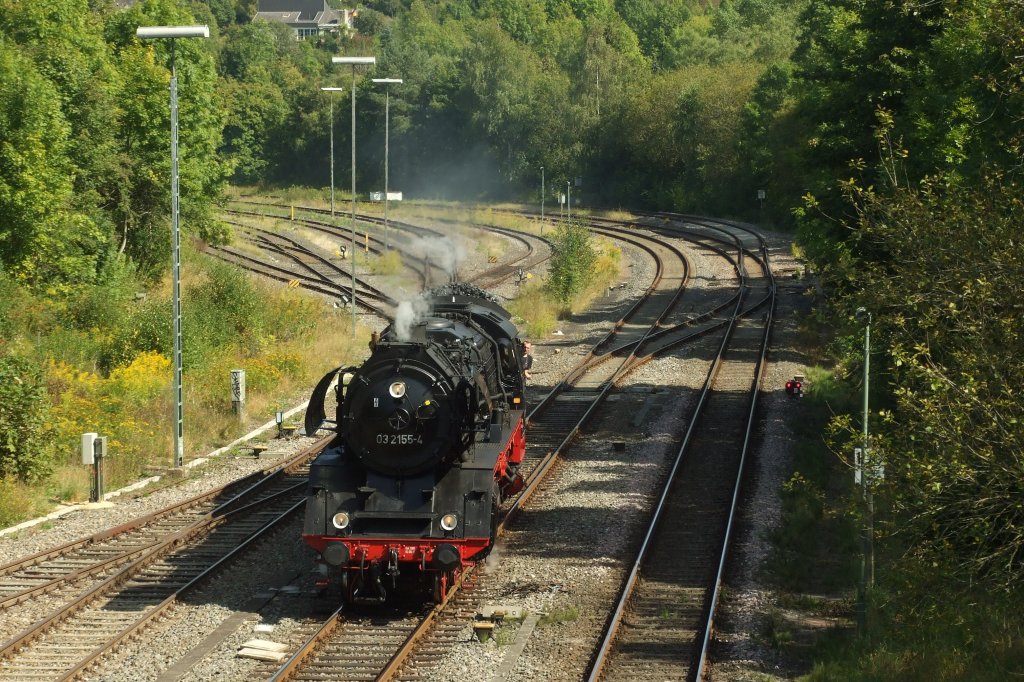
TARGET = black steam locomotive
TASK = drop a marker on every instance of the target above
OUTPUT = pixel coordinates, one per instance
(430, 434)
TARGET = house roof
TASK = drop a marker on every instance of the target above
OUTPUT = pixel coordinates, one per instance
(284, 17)
(299, 12)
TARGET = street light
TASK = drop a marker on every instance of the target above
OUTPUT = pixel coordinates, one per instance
(332, 91)
(387, 127)
(354, 61)
(172, 32)
(867, 565)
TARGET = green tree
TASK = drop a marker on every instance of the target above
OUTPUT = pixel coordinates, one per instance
(523, 21)
(144, 122)
(655, 25)
(949, 320)
(42, 238)
(64, 38)
(572, 262)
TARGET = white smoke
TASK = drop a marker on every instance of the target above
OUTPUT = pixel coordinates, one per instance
(443, 252)
(408, 314)
(493, 559)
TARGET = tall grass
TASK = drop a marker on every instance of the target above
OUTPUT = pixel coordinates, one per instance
(115, 378)
(388, 263)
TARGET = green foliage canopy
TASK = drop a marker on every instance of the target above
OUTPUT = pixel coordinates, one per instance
(954, 442)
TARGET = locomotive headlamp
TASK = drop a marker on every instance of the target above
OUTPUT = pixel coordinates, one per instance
(449, 521)
(397, 389)
(340, 520)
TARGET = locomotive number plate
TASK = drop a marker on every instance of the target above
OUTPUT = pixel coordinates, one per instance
(399, 439)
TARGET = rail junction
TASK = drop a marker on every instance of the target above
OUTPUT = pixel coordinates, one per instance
(114, 584)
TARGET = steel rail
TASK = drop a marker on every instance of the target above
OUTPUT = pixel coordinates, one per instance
(168, 545)
(533, 483)
(720, 572)
(333, 230)
(161, 608)
(615, 619)
(122, 533)
(494, 277)
(540, 472)
(302, 657)
(264, 240)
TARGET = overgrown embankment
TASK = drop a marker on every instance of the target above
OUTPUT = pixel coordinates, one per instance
(97, 358)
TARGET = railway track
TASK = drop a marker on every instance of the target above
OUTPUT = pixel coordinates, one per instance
(64, 566)
(662, 624)
(524, 259)
(639, 337)
(176, 551)
(553, 426)
(407, 644)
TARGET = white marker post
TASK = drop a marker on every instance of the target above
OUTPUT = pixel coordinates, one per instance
(238, 393)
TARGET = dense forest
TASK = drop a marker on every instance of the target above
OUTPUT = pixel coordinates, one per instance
(886, 134)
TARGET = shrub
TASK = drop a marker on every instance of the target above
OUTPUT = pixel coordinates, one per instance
(147, 327)
(223, 310)
(572, 262)
(18, 501)
(127, 407)
(538, 313)
(24, 407)
(143, 380)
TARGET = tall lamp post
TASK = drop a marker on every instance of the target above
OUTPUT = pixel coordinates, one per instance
(332, 91)
(354, 61)
(865, 470)
(172, 32)
(387, 153)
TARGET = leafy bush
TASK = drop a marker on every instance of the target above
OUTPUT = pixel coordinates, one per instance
(24, 408)
(572, 262)
(796, 538)
(146, 327)
(226, 309)
(104, 304)
(19, 501)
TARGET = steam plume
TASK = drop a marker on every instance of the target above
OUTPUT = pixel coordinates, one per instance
(408, 314)
(443, 252)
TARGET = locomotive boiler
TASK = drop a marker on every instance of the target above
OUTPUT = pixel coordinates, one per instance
(430, 432)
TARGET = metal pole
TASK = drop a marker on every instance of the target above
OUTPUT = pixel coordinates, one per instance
(542, 199)
(868, 469)
(172, 32)
(179, 416)
(568, 202)
(353, 201)
(387, 129)
(332, 154)
(867, 562)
